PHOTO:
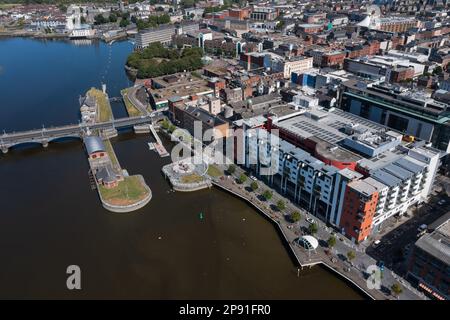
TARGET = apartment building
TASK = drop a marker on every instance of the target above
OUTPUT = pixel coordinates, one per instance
(311, 183)
(163, 34)
(345, 170)
(361, 199)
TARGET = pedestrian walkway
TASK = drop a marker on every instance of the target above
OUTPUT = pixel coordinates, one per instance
(334, 259)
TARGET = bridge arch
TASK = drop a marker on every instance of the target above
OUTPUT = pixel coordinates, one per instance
(65, 138)
(24, 144)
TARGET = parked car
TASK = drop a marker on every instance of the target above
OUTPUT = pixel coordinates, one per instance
(376, 243)
(422, 230)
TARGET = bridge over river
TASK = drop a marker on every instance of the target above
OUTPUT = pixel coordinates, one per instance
(45, 135)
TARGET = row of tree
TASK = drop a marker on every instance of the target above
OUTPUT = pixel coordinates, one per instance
(313, 228)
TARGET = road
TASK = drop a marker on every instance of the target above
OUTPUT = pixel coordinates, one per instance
(400, 235)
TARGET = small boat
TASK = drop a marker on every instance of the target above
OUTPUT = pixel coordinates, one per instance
(151, 146)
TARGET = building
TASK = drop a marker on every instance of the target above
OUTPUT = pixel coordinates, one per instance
(263, 13)
(309, 28)
(106, 177)
(396, 24)
(429, 262)
(361, 199)
(348, 171)
(179, 86)
(311, 183)
(163, 34)
(187, 116)
(95, 147)
(323, 58)
(394, 69)
(297, 64)
(239, 13)
(410, 112)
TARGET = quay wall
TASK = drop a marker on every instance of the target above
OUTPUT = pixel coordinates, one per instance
(292, 251)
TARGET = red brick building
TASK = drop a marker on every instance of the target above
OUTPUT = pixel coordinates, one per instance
(331, 59)
(240, 14)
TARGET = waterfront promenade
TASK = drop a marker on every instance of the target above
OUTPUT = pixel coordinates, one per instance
(354, 272)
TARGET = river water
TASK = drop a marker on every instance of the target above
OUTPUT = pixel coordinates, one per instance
(50, 218)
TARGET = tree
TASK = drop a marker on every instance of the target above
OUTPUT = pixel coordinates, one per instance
(82, 20)
(313, 228)
(295, 216)
(112, 17)
(396, 289)
(437, 70)
(351, 255)
(331, 241)
(242, 178)
(254, 185)
(165, 124)
(267, 194)
(124, 23)
(187, 3)
(100, 19)
(281, 205)
(231, 168)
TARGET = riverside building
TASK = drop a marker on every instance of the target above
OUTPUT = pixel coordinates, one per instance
(326, 159)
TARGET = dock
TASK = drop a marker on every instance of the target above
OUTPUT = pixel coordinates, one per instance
(159, 147)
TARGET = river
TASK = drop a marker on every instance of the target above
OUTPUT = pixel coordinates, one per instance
(50, 218)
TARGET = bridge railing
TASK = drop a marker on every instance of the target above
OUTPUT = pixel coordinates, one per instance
(52, 129)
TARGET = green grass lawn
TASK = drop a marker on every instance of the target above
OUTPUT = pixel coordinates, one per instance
(111, 153)
(8, 5)
(214, 172)
(191, 178)
(131, 109)
(104, 108)
(128, 191)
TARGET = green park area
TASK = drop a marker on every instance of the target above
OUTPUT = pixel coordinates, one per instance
(131, 109)
(111, 154)
(104, 112)
(156, 60)
(191, 178)
(214, 172)
(4, 6)
(129, 191)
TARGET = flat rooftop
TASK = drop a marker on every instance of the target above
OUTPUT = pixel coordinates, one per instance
(437, 243)
(326, 125)
(414, 102)
(362, 187)
(179, 86)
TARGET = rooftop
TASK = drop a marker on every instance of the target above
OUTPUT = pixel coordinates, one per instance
(362, 187)
(437, 243)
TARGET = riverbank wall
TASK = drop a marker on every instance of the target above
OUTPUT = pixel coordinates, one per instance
(128, 208)
(289, 244)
